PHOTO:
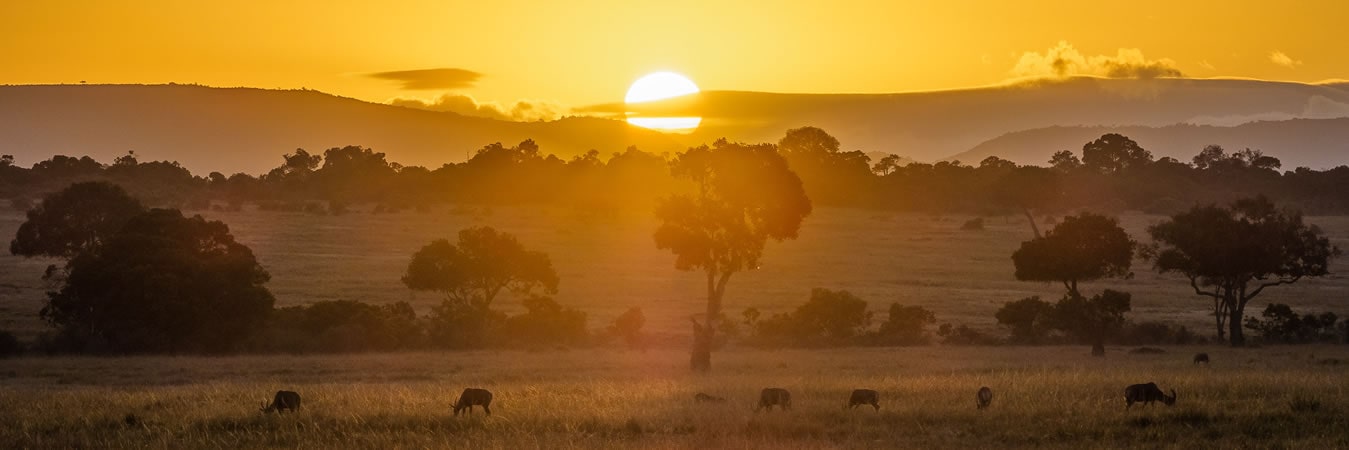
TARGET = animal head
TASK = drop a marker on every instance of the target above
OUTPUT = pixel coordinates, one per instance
(1169, 400)
(267, 409)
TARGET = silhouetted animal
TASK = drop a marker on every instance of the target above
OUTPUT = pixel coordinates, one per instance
(864, 397)
(282, 401)
(1147, 393)
(704, 398)
(1201, 358)
(983, 397)
(770, 397)
(474, 397)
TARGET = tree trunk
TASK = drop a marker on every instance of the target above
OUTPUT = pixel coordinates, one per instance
(1234, 325)
(701, 358)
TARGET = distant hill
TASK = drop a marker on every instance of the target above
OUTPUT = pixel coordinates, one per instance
(247, 130)
(1315, 143)
(929, 126)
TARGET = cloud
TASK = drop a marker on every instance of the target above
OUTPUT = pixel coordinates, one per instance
(520, 111)
(444, 78)
(1282, 59)
(1064, 61)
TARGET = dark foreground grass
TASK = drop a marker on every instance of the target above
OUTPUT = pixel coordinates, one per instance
(1043, 397)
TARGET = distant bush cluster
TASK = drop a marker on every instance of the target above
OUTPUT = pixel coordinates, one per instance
(838, 318)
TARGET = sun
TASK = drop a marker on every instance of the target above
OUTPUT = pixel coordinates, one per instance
(661, 86)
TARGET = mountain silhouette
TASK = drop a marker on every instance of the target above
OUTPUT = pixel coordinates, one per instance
(247, 130)
(1314, 143)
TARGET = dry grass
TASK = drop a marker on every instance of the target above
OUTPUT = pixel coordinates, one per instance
(1043, 397)
(610, 264)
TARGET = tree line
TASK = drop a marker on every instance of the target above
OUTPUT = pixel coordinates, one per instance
(138, 279)
(1111, 173)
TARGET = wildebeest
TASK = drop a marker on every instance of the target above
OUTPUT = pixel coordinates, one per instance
(705, 398)
(864, 397)
(983, 397)
(770, 397)
(1147, 393)
(474, 397)
(282, 401)
(1201, 358)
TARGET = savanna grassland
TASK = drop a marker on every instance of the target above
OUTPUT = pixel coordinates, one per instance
(609, 263)
(1052, 397)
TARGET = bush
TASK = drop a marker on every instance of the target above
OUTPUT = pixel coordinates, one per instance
(964, 335)
(545, 322)
(339, 327)
(906, 325)
(829, 317)
(1155, 333)
(1283, 325)
(629, 326)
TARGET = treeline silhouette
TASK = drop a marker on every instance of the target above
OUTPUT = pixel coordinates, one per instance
(1110, 173)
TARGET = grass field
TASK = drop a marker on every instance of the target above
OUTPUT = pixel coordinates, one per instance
(610, 264)
(1052, 397)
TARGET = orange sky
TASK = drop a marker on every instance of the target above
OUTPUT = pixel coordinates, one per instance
(586, 52)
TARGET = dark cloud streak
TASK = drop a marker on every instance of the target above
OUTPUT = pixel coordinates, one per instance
(429, 79)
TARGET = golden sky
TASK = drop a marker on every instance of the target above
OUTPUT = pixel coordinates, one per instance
(586, 52)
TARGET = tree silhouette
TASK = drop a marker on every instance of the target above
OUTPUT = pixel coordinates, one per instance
(1084, 247)
(742, 196)
(1231, 254)
(75, 220)
(1114, 152)
(1029, 318)
(472, 273)
(163, 283)
(1092, 319)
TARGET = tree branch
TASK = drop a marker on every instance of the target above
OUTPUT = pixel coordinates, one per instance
(1269, 284)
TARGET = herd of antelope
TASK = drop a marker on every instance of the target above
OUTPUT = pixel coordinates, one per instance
(768, 397)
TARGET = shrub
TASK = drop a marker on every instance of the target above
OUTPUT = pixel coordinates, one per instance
(975, 224)
(906, 325)
(545, 322)
(629, 326)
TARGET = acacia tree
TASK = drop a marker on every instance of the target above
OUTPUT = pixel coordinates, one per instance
(742, 196)
(163, 283)
(1231, 254)
(1084, 247)
(471, 275)
(76, 219)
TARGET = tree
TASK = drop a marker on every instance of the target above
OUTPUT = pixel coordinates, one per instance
(75, 220)
(472, 274)
(1092, 319)
(906, 325)
(629, 326)
(1028, 189)
(163, 283)
(1064, 161)
(1232, 254)
(743, 195)
(888, 164)
(1114, 152)
(831, 314)
(1029, 318)
(1084, 247)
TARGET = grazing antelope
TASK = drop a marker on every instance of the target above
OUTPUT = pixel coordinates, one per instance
(474, 397)
(771, 397)
(864, 397)
(1201, 358)
(704, 398)
(1147, 393)
(983, 397)
(282, 401)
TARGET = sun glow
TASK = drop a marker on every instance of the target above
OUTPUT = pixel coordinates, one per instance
(661, 86)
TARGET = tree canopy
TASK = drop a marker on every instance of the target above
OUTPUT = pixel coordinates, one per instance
(1231, 254)
(1084, 247)
(76, 219)
(163, 283)
(483, 263)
